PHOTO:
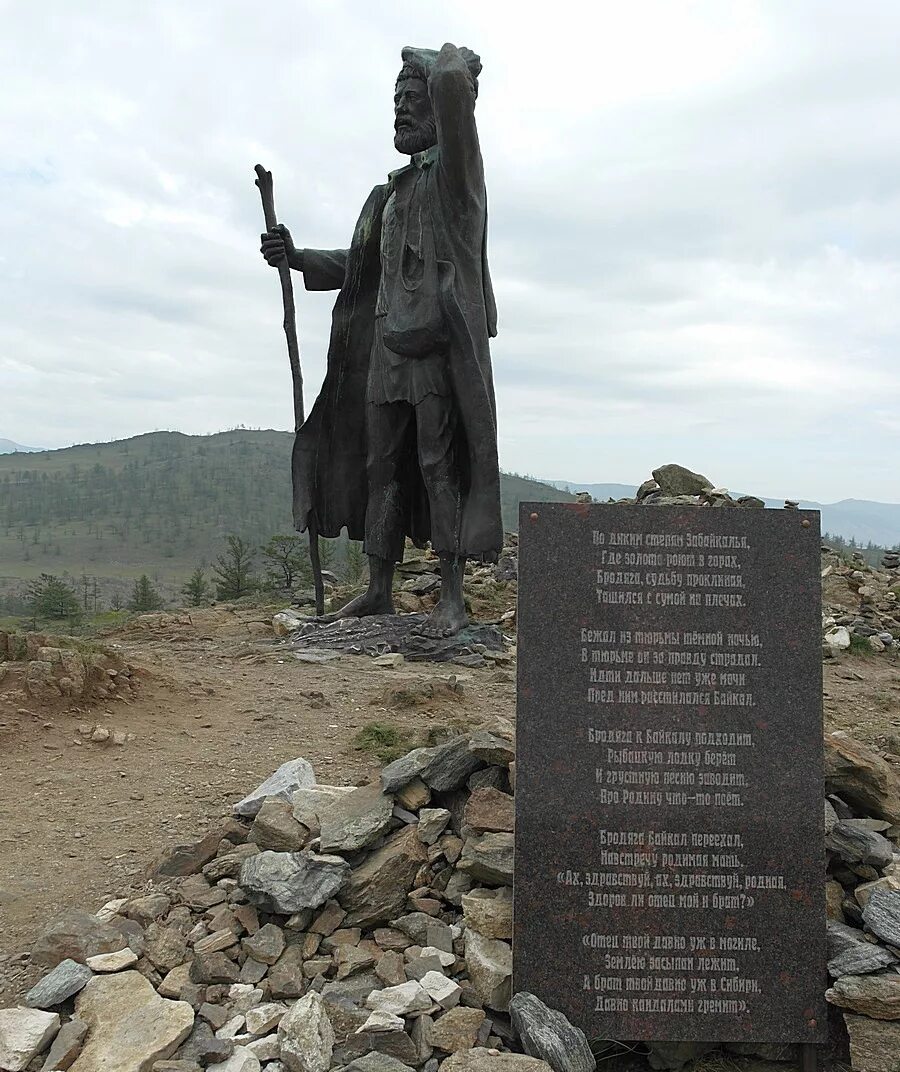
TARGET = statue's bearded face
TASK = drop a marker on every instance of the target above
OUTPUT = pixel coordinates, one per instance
(414, 126)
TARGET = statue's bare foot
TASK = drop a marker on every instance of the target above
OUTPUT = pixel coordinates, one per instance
(363, 606)
(446, 620)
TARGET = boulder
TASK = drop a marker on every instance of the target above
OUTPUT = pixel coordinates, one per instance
(75, 935)
(489, 858)
(482, 1060)
(267, 945)
(548, 1035)
(490, 810)
(874, 1044)
(287, 882)
(276, 828)
(66, 1046)
(882, 915)
(432, 823)
(490, 969)
(861, 777)
(186, 860)
(130, 1025)
(376, 890)
(24, 1033)
(312, 805)
(855, 844)
(65, 980)
(306, 1036)
(676, 480)
(356, 820)
(489, 912)
(877, 996)
(442, 768)
(492, 748)
(456, 1030)
(112, 962)
(291, 776)
(400, 1000)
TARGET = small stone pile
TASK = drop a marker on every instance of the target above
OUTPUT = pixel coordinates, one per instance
(61, 669)
(862, 828)
(861, 605)
(369, 927)
(321, 927)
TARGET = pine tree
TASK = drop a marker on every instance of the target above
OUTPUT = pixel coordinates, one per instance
(356, 563)
(287, 559)
(234, 570)
(196, 591)
(50, 597)
(144, 597)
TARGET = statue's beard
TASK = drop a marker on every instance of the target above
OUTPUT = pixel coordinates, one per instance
(412, 138)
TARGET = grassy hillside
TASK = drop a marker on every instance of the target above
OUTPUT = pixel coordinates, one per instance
(160, 503)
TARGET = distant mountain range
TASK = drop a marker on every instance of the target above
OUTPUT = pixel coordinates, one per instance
(7, 446)
(161, 503)
(857, 519)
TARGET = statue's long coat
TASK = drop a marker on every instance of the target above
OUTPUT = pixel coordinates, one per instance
(329, 457)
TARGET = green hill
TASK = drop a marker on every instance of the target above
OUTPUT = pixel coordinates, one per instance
(160, 503)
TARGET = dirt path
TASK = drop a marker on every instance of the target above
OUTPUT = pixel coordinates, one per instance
(82, 822)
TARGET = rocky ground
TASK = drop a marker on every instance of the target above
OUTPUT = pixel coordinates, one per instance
(119, 751)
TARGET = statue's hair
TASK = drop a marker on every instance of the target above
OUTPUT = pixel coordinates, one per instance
(411, 69)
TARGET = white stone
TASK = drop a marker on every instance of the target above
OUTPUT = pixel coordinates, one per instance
(446, 959)
(242, 1060)
(231, 1028)
(130, 1025)
(838, 638)
(306, 1035)
(266, 1049)
(285, 622)
(24, 1033)
(290, 776)
(400, 1000)
(441, 989)
(264, 1018)
(111, 909)
(381, 1023)
(112, 962)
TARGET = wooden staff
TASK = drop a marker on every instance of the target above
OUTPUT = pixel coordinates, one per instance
(267, 194)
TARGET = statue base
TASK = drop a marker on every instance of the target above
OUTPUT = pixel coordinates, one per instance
(385, 634)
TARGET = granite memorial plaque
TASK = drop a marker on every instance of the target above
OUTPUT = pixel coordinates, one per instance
(669, 818)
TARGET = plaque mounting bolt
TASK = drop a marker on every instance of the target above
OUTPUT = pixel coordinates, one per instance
(533, 517)
(805, 523)
(811, 1023)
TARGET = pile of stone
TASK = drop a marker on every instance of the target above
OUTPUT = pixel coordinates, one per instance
(862, 828)
(60, 668)
(369, 927)
(861, 603)
(321, 927)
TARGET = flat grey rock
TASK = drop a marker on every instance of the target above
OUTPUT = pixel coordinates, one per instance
(288, 882)
(855, 844)
(291, 776)
(863, 958)
(882, 915)
(66, 979)
(548, 1035)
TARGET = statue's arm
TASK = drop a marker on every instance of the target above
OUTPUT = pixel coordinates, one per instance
(323, 269)
(451, 86)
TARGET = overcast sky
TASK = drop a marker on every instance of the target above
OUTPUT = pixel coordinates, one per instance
(694, 230)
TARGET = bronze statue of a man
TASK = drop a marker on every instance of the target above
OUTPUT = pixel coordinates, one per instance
(402, 440)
